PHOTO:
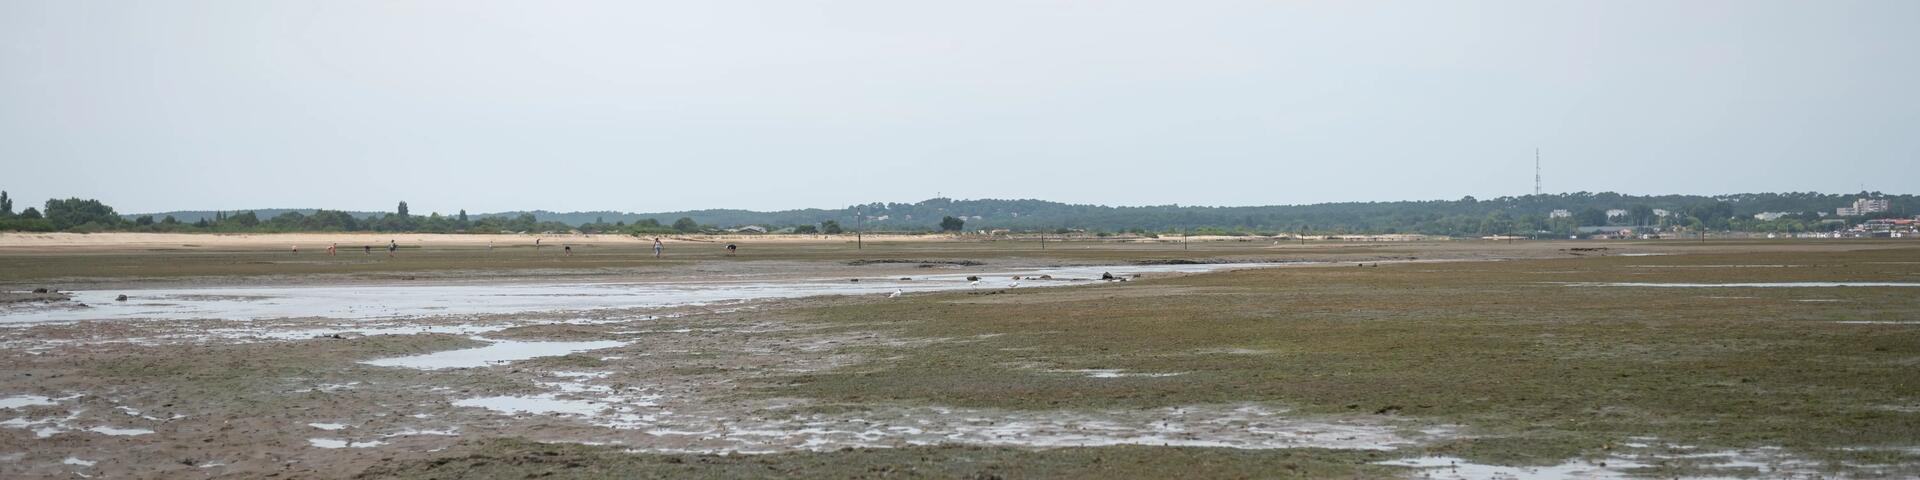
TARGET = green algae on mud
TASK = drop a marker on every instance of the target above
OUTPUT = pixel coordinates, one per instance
(523, 459)
(1538, 371)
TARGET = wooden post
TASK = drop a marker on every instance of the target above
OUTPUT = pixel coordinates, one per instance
(859, 243)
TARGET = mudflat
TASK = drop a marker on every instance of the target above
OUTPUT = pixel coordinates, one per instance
(1233, 357)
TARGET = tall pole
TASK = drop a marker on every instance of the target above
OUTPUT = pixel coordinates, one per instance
(1536, 170)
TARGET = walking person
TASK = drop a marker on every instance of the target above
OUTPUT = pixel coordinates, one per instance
(333, 249)
(569, 250)
(657, 247)
(392, 246)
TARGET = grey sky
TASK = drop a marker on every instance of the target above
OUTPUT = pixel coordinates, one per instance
(652, 106)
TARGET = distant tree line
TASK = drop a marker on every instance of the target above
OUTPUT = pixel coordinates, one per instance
(1521, 215)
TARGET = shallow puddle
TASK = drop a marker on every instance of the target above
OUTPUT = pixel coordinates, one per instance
(1454, 468)
(105, 430)
(336, 443)
(538, 404)
(18, 401)
(1632, 462)
(500, 352)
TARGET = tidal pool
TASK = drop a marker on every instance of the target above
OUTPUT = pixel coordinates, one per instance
(361, 302)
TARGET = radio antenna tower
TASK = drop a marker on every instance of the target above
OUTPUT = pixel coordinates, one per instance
(1536, 170)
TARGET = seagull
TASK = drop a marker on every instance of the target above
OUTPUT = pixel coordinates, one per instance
(1013, 285)
(975, 284)
(896, 293)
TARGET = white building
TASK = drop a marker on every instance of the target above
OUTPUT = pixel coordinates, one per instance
(1769, 216)
(1616, 212)
(1846, 211)
(1869, 205)
(1661, 213)
(1559, 213)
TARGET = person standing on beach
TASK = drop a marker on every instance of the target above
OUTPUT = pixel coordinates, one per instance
(392, 246)
(569, 250)
(333, 249)
(657, 247)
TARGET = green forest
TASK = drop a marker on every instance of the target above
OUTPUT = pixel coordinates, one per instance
(1518, 215)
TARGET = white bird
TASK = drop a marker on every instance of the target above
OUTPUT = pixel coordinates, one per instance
(896, 293)
(975, 283)
(1013, 285)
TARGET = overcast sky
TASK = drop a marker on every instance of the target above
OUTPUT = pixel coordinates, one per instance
(655, 106)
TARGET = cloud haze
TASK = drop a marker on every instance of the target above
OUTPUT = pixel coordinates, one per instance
(655, 106)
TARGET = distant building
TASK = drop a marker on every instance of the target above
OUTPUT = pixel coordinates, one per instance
(1661, 212)
(1559, 213)
(750, 229)
(1871, 205)
(1886, 227)
(1769, 216)
(1846, 211)
(1616, 212)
